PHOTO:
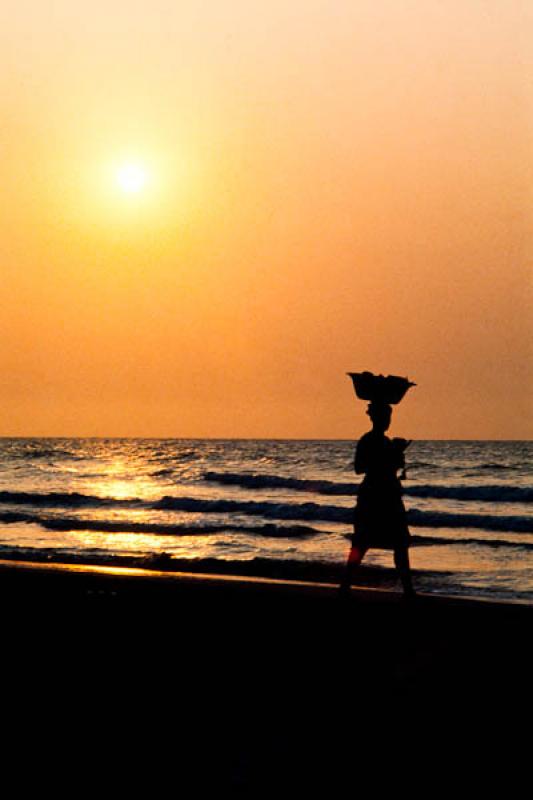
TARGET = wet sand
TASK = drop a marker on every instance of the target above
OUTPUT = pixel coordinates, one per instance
(137, 679)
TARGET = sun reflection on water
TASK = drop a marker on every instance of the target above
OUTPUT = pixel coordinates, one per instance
(142, 544)
(122, 481)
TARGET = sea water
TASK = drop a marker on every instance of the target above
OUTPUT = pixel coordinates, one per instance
(282, 500)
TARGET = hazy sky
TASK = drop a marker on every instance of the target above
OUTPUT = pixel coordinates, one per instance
(330, 186)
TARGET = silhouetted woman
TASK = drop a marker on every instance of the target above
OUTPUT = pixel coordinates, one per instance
(379, 516)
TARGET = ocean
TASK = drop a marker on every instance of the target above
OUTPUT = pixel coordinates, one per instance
(281, 502)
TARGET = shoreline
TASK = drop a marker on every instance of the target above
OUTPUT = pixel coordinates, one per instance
(167, 573)
(381, 578)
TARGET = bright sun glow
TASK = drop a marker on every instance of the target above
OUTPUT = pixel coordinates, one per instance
(131, 178)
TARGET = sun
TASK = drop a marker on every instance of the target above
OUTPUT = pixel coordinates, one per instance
(131, 177)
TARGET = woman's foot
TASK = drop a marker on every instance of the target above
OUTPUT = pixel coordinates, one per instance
(344, 590)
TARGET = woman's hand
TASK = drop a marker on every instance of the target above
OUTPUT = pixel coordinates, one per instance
(401, 444)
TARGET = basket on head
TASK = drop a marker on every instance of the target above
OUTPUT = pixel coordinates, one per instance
(378, 388)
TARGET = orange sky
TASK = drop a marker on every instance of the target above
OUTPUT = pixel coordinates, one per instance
(332, 186)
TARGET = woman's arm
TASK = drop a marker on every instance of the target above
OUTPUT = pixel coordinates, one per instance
(398, 448)
(360, 460)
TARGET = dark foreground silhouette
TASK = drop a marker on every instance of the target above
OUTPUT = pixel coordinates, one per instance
(126, 682)
(379, 516)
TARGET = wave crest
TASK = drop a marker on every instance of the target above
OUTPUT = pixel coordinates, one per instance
(498, 493)
(269, 510)
(68, 499)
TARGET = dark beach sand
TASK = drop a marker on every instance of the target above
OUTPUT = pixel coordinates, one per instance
(127, 679)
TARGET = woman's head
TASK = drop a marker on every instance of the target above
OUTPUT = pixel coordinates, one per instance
(380, 414)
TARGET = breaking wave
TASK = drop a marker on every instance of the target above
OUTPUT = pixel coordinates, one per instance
(490, 493)
(266, 509)
(468, 541)
(271, 530)
(155, 528)
(68, 499)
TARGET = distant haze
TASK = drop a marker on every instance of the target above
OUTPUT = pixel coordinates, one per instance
(330, 187)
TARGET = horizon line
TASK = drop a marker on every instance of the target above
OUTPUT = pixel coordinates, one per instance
(250, 438)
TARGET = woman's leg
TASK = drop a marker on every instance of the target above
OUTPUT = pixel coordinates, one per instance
(401, 562)
(355, 556)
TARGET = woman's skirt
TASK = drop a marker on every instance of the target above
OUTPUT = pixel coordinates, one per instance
(380, 520)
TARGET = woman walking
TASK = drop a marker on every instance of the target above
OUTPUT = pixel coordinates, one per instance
(379, 516)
